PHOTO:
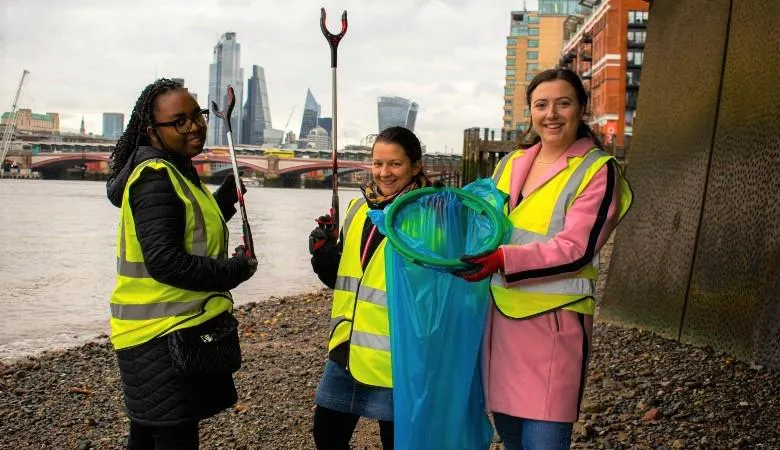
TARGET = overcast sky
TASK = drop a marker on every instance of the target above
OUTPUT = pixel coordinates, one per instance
(87, 57)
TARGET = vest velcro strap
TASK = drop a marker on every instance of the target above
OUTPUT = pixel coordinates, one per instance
(371, 295)
(345, 283)
(369, 340)
(155, 310)
(566, 286)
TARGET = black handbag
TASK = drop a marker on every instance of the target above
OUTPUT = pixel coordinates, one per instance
(206, 349)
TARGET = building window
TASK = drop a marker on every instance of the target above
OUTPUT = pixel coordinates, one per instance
(507, 102)
(532, 55)
(531, 67)
(635, 57)
(510, 62)
(533, 19)
(511, 51)
(533, 32)
(533, 43)
(508, 112)
(510, 72)
(529, 76)
(637, 37)
(632, 77)
(508, 91)
(526, 113)
(507, 123)
(637, 17)
(511, 41)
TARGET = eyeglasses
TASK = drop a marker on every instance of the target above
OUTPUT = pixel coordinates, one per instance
(183, 125)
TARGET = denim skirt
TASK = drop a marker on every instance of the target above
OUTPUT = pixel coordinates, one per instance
(340, 392)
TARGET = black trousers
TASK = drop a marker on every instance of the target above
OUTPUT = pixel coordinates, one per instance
(333, 430)
(180, 437)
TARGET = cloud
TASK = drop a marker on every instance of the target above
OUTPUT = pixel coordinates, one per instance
(87, 57)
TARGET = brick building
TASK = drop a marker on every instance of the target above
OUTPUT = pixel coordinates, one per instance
(606, 48)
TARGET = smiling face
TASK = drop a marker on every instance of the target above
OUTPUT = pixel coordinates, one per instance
(168, 107)
(555, 113)
(391, 167)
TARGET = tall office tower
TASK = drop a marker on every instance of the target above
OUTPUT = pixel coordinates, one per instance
(113, 125)
(257, 113)
(534, 44)
(327, 124)
(226, 70)
(396, 111)
(311, 113)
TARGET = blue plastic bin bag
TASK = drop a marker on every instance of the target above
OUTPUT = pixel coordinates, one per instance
(437, 320)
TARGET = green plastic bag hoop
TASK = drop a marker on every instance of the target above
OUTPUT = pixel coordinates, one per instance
(469, 200)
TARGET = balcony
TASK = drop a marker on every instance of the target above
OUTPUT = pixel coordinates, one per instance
(640, 23)
(586, 56)
(587, 38)
(635, 44)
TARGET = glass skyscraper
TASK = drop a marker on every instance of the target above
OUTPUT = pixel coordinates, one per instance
(226, 70)
(257, 113)
(113, 125)
(311, 113)
(396, 111)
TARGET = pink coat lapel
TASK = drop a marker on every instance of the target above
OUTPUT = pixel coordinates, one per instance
(522, 165)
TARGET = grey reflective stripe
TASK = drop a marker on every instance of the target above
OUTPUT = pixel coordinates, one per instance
(199, 238)
(123, 266)
(501, 167)
(570, 190)
(351, 214)
(371, 295)
(155, 310)
(369, 340)
(573, 286)
(520, 237)
(133, 269)
(335, 321)
(349, 284)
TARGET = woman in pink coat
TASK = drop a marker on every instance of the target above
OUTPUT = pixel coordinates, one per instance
(566, 195)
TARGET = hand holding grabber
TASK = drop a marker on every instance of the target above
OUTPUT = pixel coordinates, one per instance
(249, 248)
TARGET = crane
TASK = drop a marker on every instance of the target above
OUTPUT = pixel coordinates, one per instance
(292, 110)
(8, 133)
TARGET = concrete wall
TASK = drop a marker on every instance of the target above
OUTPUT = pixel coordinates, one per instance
(698, 256)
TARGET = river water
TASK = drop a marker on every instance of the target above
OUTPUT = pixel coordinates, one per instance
(58, 261)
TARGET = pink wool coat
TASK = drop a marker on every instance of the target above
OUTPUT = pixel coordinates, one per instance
(535, 368)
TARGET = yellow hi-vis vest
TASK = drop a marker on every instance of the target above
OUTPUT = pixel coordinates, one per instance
(143, 308)
(538, 218)
(359, 313)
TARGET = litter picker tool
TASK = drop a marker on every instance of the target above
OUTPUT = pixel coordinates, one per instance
(249, 248)
(333, 41)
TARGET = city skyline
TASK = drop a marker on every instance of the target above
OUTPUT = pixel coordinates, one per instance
(458, 76)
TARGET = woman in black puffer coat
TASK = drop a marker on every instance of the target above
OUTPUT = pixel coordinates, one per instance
(168, 127)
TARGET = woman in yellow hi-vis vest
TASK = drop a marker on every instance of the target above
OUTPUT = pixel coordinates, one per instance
(357, 381)
(171, 306)
(566, 195)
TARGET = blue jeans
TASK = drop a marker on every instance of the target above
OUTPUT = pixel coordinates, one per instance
(527, 434)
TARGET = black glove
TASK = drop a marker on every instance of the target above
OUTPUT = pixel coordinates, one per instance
(324, 236)
(230, 185)
(249, 264)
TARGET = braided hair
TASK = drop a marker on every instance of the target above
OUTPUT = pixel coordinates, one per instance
(141, 118)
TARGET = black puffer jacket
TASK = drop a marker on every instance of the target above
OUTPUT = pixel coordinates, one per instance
(154, 394)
